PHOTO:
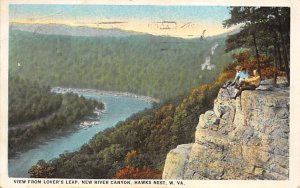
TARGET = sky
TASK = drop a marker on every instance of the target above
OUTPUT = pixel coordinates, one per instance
(177, 21)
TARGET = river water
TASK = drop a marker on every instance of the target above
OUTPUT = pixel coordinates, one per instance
(117, 108)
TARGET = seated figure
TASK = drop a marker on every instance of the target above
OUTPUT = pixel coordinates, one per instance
(248, 84)
(241, 75)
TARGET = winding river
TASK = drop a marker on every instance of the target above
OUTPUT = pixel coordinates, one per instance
(118, 108)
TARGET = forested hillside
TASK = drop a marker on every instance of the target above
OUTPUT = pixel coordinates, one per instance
(29, 101)
(35, 112)
(160, 67)
(137, 147)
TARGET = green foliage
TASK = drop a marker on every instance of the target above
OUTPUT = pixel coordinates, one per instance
(142, 141)
(42, 170)
(35, 112)
(160, 67)
(264, 30)
(29, 101)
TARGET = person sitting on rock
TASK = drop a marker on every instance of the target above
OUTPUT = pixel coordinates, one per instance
(248, 84)
(241, 75)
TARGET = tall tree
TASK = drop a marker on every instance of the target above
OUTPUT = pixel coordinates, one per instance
(261, 29)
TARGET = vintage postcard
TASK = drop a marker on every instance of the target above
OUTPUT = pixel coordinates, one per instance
(149, 94)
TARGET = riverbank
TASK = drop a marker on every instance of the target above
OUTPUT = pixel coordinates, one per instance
(116, 109)
(102, 92)
(72, 109)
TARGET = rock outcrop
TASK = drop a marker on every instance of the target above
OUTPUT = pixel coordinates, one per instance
(246, 138)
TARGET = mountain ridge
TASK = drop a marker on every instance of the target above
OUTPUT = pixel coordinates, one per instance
(81, 30)
(63, 29)
(105, 63)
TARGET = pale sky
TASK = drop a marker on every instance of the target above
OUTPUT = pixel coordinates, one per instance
(178, 21)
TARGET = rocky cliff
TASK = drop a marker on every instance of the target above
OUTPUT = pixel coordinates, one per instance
(246, 138)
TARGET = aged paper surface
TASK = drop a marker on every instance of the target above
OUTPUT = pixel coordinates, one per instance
(160, 27)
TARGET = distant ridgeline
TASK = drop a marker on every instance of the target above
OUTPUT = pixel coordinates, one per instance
(156, 66)
(35, 112)
(164, 67)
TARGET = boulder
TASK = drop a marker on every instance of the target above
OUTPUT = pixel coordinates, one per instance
(176, 162)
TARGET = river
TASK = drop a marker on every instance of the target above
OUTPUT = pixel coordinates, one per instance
(117, 108)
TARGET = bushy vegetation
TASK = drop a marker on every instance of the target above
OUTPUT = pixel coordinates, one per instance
(29, 101)
(130, 172)
(160, 67)
(34, 112)
(138, 145)
(249, 62)
(265, 31)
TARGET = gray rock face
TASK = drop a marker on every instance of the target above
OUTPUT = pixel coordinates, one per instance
(246, 138)
(177, 160)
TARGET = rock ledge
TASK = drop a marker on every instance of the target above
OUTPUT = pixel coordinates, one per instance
(246, 138)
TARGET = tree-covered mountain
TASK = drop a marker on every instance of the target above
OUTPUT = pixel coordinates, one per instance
(137, 147)
(60, 29)
(156, 66)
